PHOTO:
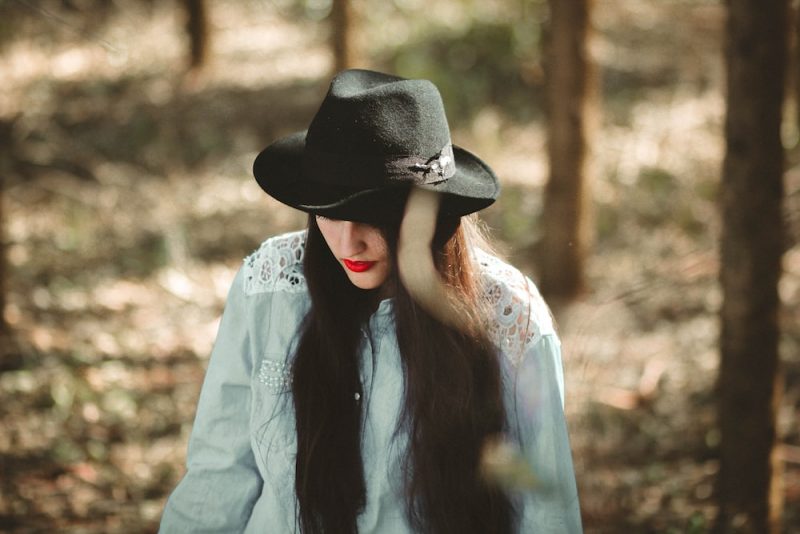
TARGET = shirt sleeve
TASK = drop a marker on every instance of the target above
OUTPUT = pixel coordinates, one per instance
(552, 505)
(222, 482)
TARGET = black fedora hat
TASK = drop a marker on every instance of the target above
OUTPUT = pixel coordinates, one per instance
(374, 136)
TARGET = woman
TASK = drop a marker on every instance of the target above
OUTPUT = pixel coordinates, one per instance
(334, 401)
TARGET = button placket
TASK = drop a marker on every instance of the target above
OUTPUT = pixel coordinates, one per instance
(365, 366)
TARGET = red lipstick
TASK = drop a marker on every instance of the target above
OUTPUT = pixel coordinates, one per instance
(358, 266)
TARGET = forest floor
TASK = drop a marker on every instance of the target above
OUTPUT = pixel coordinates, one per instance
(129, 206)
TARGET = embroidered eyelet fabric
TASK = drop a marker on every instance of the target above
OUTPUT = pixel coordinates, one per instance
(520, 312)
(277, 265)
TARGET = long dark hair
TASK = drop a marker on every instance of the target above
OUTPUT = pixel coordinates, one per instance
(453, 397)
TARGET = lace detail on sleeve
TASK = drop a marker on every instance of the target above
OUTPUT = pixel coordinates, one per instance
(277, 265)
(520, 314)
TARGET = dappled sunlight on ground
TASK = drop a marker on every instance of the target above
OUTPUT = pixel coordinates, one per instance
(129, 207)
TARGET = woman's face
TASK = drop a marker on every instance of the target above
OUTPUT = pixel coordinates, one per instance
(360, 249)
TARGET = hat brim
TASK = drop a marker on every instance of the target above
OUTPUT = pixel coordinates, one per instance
(279, 171)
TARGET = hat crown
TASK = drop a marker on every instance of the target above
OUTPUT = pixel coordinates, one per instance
(374, 137)
(371, 113)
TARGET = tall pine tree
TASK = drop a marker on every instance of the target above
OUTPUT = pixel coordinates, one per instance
(571, 106)
(752, 247)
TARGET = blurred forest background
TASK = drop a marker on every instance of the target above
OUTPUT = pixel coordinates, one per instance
(129, 205)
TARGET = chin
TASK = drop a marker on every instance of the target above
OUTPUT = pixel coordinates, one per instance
(365, 284)
(368, 280)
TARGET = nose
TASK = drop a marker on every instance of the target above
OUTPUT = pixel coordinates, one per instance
(351, 238)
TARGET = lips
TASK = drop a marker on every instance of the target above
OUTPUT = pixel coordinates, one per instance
(358, 266)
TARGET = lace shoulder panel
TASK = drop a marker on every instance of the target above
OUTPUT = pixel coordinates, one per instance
(277, 265)
(521, 314)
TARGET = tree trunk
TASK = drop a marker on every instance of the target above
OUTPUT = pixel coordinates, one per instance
(571, 106)
(752, 245)
(10, 356)
(3, 325)
(795, 66)
(7, 142)
(197, 28)
(342, 40)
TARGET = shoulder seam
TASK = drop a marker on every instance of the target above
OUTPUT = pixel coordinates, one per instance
(520, 314)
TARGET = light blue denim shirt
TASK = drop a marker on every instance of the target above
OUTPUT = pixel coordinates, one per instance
(241, 456)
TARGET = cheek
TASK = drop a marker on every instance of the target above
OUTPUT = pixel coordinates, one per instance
(328, 233)
(378, 244)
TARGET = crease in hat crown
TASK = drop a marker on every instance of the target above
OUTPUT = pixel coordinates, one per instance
(374, 133)
(379, 116)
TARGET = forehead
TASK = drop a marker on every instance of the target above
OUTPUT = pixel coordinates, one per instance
(387, 221)
(329, 223)
(324, 220)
